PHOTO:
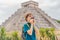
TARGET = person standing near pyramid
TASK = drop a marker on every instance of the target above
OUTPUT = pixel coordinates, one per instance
(29, 31)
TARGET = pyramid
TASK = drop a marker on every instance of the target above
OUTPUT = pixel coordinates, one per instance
(16, 21)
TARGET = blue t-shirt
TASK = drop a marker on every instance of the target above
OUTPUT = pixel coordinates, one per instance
(27, 36)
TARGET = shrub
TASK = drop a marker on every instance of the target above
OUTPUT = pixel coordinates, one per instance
(15, 35)
(5, 36)
(47, 33)
(2, 34)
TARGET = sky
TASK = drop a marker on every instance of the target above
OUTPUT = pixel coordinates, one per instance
(8, 7)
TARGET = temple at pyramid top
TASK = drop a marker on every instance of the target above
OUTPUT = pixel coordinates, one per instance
(30, 3)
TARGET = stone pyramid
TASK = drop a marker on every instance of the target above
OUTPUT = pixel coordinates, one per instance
(16, 21)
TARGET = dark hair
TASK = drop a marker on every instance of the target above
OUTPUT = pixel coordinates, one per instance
(26, 16)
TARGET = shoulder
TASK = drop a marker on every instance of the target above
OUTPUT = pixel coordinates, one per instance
(25, 25)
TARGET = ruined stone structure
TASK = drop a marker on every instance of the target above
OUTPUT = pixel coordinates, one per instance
(42, 19)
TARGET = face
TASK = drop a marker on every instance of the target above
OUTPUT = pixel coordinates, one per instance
(29, 18)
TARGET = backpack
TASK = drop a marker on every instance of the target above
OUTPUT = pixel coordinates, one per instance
(23, 37)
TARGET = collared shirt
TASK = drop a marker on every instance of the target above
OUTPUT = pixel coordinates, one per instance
(27, 36)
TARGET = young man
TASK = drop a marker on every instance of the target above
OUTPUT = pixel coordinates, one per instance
(28, 29)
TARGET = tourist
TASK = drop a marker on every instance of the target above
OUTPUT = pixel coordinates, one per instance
(29, 30)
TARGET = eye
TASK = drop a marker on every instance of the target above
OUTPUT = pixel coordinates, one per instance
(29, 16)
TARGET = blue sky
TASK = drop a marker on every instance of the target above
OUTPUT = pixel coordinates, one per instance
(8, 7)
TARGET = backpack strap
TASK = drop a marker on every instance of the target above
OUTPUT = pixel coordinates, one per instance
(27, 25)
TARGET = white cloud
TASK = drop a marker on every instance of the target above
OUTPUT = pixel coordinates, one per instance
(47, 3)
